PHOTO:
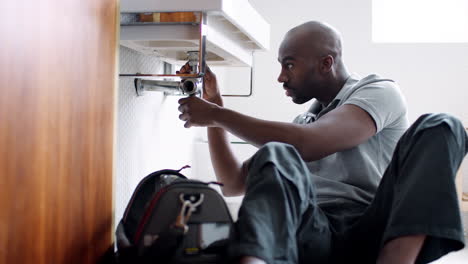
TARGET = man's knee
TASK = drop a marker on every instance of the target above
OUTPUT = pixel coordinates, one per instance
(282, 156)
(439, 125)
(275, 152)
(439, 120)
(284, 159)
(277, 147)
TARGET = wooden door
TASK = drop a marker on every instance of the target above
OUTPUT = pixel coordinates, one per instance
(57, 96)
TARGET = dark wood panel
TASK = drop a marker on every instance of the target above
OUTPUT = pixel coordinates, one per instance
(57, 90)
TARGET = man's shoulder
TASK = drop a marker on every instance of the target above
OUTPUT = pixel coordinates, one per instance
(381, 98)
(374, 84)
(374, 80)
(364, 92)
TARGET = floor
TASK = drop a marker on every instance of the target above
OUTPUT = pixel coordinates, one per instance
(459, 257)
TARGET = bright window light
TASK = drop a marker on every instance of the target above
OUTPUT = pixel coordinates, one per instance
(420, 21)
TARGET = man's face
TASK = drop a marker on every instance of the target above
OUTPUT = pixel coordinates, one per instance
(299, 72)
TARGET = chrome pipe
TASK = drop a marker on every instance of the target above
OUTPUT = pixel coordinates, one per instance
(185, 87)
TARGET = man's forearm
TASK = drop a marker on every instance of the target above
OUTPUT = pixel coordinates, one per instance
(256, 131)
(227, 168)
(343, 128)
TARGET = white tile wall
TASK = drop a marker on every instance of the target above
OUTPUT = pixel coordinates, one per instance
(149, 134)
(151, 137)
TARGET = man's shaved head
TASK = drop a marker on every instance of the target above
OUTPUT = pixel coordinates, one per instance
(317, 37)
(312, 65)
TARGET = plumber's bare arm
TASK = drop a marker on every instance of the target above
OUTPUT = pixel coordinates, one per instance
(228, 169)
(343, 128)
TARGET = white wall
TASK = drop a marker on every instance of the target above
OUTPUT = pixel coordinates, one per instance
(150, 136)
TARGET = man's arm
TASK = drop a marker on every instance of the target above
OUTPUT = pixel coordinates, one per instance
(228, 169)
(345, 127)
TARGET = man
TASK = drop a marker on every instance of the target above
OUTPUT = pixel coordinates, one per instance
(314, 197)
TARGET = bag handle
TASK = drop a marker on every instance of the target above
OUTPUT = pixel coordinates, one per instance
(184, 167)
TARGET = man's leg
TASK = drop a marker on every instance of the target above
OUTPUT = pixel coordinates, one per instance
(279, 193)
(416, 198)
(401, 250)
(251, 260)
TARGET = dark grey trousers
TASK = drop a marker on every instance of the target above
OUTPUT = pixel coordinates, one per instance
(280, 222)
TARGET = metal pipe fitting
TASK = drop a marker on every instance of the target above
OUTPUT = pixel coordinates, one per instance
(193, 61)
(188, 86)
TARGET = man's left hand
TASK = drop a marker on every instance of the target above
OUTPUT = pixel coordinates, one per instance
(197, 112)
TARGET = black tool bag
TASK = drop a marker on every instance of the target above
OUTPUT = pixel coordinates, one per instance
(172, 219)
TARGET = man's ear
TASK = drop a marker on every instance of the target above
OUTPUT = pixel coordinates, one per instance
(327, 63)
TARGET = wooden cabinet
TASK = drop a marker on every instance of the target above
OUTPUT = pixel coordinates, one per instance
(57, 97)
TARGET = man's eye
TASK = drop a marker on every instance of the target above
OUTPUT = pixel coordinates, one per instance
(289, 66)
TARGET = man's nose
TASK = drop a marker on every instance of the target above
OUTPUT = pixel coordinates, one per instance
(282, 78)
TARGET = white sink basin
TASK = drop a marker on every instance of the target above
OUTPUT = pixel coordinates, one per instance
(233, 28)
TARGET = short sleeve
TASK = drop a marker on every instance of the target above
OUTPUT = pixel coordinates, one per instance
(383, 101)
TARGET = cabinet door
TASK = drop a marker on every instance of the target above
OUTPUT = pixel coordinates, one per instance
(57, 89)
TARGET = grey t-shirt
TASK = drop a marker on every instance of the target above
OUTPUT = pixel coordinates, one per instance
(354, 174)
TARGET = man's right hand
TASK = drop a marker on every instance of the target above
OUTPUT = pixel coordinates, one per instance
(211, 90)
